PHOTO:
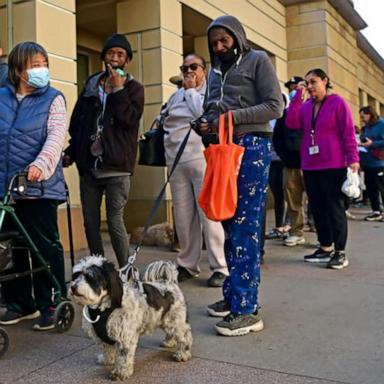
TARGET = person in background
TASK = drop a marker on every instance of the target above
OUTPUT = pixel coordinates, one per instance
(104, 130)
(328, 147)
(372, 139)
(3, 69)
(254, 100)
(33, 126)
(184, 106)
(275, 181)
(294, 141)
(287, 144)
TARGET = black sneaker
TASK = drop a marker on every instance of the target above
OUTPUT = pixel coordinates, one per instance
(216, 279)
(219, 309)
(274, 234)
(46, 321)
(183, 274)
(374, 216)
(338, 261)
(11, 317)
(238, 325)
(319, 256)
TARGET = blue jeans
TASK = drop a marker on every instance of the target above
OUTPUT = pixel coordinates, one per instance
(116, 191)
(243, 231)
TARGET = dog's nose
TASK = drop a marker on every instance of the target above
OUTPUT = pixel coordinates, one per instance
(73, 289)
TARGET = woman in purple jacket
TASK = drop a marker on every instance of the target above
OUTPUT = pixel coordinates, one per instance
(328, 147)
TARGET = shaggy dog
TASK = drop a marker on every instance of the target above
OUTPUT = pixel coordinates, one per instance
(117, 312)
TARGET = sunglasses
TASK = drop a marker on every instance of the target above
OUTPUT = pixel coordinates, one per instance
(193, 66)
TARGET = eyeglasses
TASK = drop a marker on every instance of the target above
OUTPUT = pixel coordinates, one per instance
(193, 66)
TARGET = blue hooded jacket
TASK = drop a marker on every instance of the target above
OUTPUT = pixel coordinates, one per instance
(375, 132)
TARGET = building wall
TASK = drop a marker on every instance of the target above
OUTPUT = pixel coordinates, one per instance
(297, 37)
(318, 37)
(370, 81)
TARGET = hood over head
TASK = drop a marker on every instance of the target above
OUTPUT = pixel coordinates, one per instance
(235, 28)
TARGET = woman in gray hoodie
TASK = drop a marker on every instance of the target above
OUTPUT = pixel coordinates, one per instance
(242, 80)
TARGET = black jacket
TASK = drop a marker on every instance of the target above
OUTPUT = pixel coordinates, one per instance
(287, 143)
(122, 113)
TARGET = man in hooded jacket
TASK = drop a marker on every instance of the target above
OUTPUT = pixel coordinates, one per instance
(242, 80)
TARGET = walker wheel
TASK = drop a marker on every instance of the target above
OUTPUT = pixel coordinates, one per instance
(64, 315)
(4, 342)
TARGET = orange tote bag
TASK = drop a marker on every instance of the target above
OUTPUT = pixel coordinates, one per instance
(218, 197)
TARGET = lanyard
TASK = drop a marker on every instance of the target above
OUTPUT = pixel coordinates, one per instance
(314, 120)
(103, 98)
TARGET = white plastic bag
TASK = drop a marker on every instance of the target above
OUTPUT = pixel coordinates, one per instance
(351, 185)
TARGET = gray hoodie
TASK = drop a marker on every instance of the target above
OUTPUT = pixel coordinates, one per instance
(249, 88)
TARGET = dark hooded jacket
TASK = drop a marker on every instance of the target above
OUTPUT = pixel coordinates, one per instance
(121, 118)
(249, 87)
(3, 73)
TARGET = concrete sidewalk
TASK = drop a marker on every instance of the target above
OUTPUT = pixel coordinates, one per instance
(322, 326)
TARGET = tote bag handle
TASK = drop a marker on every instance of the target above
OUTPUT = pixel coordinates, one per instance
(226, 135)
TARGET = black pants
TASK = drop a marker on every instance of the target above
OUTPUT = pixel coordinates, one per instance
(39, 217)
(374, 181)
(328, 205)
(277, 189)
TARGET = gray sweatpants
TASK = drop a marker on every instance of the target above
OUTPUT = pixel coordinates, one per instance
(116, 191)
(191, 222)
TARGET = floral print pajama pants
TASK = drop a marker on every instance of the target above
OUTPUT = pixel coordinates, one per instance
(243, 231)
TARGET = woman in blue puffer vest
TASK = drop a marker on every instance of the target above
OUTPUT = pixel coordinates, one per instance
(32, 134)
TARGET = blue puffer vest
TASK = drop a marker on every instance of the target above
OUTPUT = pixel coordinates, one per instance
(23, 132)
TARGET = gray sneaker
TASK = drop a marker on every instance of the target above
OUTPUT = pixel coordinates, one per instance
(219, 309)
(11, 317)
(238, 325)
(294, 240)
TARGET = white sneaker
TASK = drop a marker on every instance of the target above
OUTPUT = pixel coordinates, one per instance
(291, 241)
(350, 216)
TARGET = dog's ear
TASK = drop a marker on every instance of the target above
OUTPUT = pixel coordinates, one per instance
(115, 286)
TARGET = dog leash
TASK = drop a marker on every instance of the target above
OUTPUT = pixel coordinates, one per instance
(129, 271)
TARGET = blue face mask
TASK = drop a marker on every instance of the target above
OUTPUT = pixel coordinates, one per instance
(292, 94)
(38, 77)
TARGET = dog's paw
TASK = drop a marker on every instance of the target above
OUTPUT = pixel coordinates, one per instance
(117, 376)
(120, 375)
(169, 343)
(114, 376)
(102, 359)
(182, 356)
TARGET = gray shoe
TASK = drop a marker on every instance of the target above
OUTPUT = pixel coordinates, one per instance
(11, 317)
(294, 240)
(216, 280)
(238, 325)
(219, 309)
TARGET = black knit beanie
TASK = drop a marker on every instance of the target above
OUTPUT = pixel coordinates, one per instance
(117, 40)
